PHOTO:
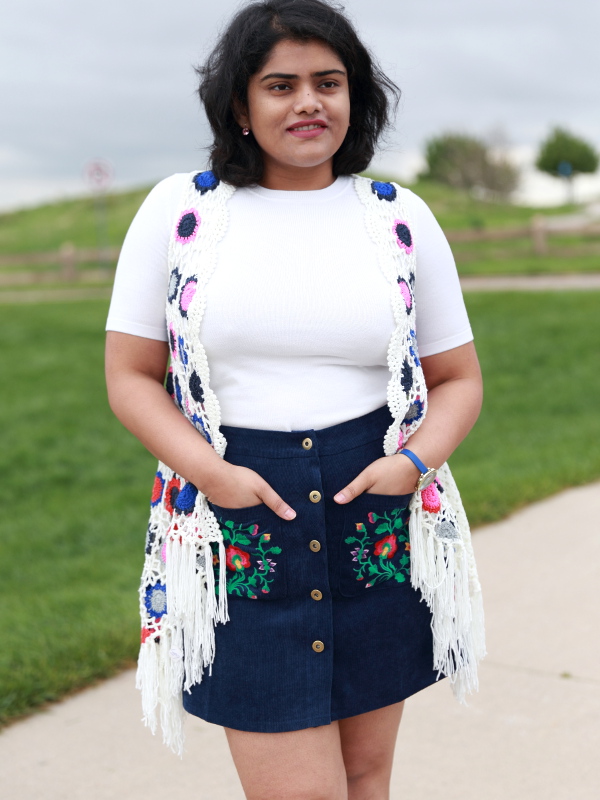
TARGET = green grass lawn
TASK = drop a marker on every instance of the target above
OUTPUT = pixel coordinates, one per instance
(76, 484)
(46, 228)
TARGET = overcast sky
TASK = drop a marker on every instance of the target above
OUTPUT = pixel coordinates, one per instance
(115, 79)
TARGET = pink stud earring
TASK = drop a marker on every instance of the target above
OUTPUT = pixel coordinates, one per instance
(245, 131)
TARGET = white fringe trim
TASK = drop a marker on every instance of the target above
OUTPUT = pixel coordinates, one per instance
(440, 570)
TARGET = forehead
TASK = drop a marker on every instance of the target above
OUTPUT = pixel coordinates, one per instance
(296, 57)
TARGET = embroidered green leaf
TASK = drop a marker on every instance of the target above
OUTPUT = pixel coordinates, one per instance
(243, 540)
(229, 524)
(275, 550)
(399, 577)
(382, 528)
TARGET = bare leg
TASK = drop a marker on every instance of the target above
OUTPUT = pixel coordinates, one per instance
(368, 742)
(299, 765)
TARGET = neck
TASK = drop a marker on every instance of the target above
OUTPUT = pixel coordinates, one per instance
(297, 179)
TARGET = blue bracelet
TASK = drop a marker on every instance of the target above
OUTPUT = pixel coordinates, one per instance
(415, 459)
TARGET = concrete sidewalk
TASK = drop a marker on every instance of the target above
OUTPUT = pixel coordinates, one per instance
(532, 732)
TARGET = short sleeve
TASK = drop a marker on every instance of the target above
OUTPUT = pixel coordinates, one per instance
(139, 293)
(442, 321)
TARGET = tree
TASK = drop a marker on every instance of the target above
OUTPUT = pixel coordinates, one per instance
(465, 162)
(566, 156)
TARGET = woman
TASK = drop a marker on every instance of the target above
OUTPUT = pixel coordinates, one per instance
(286, 504)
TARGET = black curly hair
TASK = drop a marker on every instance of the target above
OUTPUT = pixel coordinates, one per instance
(243, 49)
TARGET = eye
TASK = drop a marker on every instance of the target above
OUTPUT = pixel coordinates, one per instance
(279, 87)
(329, 84)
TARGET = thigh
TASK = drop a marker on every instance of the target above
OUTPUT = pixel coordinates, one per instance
(296, 765)
(368, 742)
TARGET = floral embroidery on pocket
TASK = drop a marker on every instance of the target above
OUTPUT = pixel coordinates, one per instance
(251, 569)
(381, 547)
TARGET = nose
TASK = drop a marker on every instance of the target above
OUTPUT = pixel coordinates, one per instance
(308, 102)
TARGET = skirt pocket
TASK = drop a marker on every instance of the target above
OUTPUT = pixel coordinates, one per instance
(375, 548)
(255, 567)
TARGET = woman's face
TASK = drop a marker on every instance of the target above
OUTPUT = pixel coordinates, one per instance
(299, 113)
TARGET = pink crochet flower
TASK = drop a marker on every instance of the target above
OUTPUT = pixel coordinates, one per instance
(431, 499)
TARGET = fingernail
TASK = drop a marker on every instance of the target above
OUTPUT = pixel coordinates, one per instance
(339, 497)
(289, 514)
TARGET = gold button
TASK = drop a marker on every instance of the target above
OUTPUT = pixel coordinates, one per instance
(318, 646)
(315, 497)
(307, 443)
(316, 594)
(315, 546)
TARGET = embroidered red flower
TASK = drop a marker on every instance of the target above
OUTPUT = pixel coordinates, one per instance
(431, 499)
(236, 559)
(386, 547)
(371, 518)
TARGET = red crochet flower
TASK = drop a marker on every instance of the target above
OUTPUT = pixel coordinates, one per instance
(172, 493)
(431, 499)
(236, 559)
(386, 547)
(145, 634)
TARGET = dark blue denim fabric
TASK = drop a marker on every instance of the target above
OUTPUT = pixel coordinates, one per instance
(376, 632)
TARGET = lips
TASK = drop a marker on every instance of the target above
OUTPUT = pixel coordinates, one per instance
(307, 130)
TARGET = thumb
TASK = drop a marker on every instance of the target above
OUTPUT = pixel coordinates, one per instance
(352, 490)
(271, 499)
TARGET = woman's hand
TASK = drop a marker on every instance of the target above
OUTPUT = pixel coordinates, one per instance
(239, 487)
(390, 475)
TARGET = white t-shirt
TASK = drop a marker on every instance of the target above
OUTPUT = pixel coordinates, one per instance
(298, 316)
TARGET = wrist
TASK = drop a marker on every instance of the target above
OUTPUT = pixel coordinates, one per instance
(426, 475)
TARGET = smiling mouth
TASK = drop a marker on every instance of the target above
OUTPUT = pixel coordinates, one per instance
(306, 127)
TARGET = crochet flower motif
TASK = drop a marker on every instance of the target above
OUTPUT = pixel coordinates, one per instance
(169, 385)
(172, 341)
(403, 235)
(407, 376)
(205, 181)
(155, 600)
(187, 227)
(174, 281)
(186, 499)
(384, 191)
(173, 488)
(430, 497)
(446, 530)
(187, 295)
(412, 348)
(414, 413)
(157, 489)
(183, 353)
(406, 294)
(196, 389)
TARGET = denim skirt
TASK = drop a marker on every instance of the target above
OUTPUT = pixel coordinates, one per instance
(324, 623)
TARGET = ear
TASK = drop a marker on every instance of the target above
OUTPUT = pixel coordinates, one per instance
(240, 113)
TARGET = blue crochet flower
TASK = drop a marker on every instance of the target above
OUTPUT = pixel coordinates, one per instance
(186, 499)
(174, 280)
(413, 347)
(414, 413)
(196, 389)
(199, 424)
(183, 354)
(155, 600)
(205, 181)
(178, 393)
(384, 191)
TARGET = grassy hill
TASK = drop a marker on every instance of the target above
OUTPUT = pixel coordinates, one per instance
(47, 227)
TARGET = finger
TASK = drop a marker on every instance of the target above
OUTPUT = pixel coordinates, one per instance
(352, 490)
(276, 503)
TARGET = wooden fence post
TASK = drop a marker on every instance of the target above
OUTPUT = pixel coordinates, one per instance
(538, 234)
(68, 262)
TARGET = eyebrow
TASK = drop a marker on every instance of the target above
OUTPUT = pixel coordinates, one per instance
(286, 77)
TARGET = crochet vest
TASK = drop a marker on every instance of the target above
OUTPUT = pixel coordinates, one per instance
(178, 594)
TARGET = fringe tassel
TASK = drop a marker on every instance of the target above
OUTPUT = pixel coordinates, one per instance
(440, 570)
(187, 637)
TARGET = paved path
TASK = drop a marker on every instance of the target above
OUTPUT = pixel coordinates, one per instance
(532, 732)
